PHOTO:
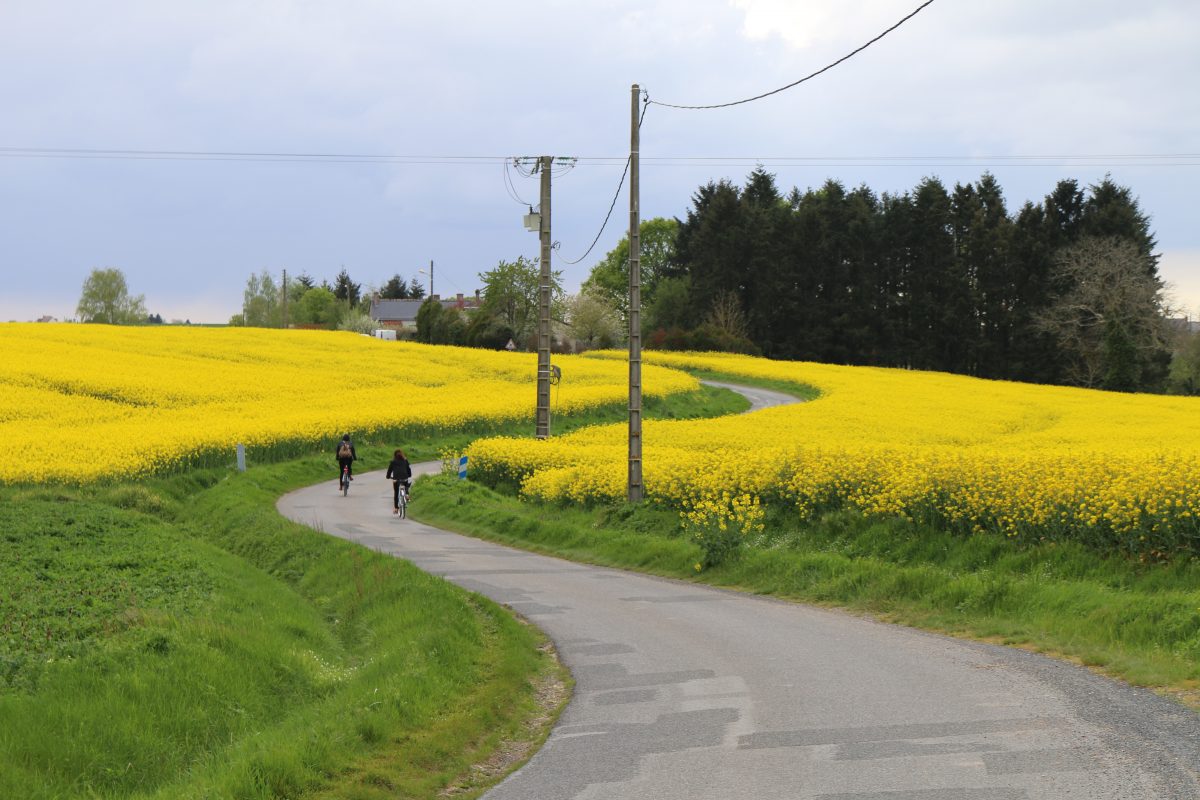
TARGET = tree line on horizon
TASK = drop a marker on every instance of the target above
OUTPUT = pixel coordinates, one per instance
(1063, 291)
(507, 309)
(341, 304)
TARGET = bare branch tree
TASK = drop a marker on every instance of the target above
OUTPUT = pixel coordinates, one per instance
(1111, 294)
(727, 315)
(593, 320)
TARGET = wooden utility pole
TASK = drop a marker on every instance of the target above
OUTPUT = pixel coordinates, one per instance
(283, 316)
(636, 491)
(544, 293)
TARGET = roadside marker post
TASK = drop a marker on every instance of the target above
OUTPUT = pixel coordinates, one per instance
(462, 468)
(241, 457)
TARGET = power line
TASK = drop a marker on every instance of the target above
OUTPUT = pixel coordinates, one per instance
(1061, 159)
(511, 188)
(68, 151)
(616, 194)
(607, 216)
(826, 68)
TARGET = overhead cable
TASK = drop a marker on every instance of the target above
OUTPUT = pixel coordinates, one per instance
(1062, 159)
(511, 187)
(613, 204)
(826, 68)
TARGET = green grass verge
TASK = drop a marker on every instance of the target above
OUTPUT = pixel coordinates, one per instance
(177, 638)
(211, 648)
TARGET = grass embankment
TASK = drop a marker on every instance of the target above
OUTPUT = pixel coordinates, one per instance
(1137, 621)
(227, 652)
(177, 638)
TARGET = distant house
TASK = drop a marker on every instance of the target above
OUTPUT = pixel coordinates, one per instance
(46, 318)
(395, 313)
(402, 314)
(1183, 325)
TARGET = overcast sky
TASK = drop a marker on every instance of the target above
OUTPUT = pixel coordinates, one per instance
(1033, 91)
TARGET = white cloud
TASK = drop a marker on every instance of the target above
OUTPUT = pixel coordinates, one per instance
(546, 76)
(801, 24)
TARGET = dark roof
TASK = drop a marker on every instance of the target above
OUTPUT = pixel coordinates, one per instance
(395, 309)
(407, 309)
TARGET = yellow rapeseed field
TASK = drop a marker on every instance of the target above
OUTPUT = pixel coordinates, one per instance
(1029, 461)
(81, 403)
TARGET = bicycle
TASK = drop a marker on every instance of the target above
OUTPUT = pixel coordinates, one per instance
(401, 509)
(345, 481)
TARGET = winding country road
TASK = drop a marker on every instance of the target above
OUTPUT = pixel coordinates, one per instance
(689, 692)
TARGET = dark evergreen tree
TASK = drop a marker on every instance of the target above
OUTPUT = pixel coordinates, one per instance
(929, 279)
(1063, 210)
(708, 248)
(394, 289)
(345, 289)
(939, 294)
(857, 323)
(1032, 354)
(894, 279)
(1122, 367)
(1111, 210)
(759, 254)
(982, 241)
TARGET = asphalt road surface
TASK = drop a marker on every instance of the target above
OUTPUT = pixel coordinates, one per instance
(688, 692)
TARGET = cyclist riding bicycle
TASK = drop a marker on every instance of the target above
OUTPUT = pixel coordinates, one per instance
(345, 458)
(400, 473)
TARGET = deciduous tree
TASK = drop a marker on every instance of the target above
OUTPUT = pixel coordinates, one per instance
(1109, 321)
(1185, 366)
(261, 306)
(511, 292)
(609, 279)
(318, 306)
(105, 298)
(437, 324)
(594, 321)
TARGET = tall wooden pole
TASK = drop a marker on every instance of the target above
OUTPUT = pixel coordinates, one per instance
(544, 290)
(636, 491)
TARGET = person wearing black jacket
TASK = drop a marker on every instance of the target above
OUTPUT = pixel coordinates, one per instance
(400, 472)
(345, 457)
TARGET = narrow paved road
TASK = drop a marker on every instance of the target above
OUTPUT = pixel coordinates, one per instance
(688, 692)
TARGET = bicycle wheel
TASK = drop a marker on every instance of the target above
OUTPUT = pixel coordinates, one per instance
(345, 484)
(403, 504)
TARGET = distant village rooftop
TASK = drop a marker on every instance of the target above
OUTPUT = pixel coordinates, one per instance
(403, 313)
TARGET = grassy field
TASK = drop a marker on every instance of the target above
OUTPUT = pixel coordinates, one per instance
(177, 638)
(1133, 619)
(210, 648)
